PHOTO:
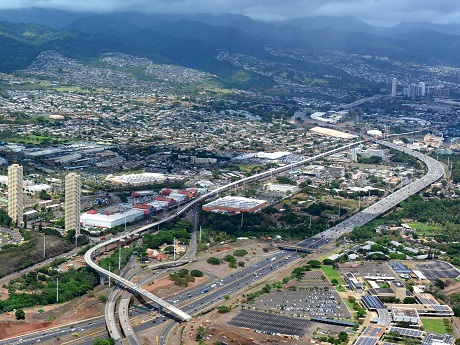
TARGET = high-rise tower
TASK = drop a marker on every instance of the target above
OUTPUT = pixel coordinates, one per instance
(422, 88)
(72, 202)
(15, 193)
(394, 82)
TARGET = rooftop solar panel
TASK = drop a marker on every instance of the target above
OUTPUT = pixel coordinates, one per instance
(407, 332)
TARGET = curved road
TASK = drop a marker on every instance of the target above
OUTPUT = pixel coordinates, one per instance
(435, 172)
(90, 254)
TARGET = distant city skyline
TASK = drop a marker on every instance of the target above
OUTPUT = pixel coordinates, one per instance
(384, 12)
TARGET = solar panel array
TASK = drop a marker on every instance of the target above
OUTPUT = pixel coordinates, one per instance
(425, 300)
(407, 332)
(373, 302)
(399, 267)
(372, 331)
(268, 323)
(366, 341)
(438, 307)
(432, 339)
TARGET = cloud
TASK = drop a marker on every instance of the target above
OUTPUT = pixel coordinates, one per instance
(390, 11)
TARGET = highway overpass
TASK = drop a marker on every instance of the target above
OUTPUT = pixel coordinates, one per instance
(91, 253)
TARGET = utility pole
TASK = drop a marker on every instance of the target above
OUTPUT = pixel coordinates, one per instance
(241, 219)
(109, 275)
(339, 211)
(76, 239)
(57, 289)
(200, 233)
(309, 225)
(44, 246)
(119, 256)
(174, 248)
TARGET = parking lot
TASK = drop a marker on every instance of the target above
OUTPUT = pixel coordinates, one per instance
(270, 323)
(366, 268)
(326, 304)
(311, 281)
(438, 269)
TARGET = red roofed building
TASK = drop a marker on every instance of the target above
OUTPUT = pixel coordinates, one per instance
(193, 192)
(148, 209)
(170, 201)
(166, 191)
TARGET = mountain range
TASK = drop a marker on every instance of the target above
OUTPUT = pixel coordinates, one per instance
(195, 40)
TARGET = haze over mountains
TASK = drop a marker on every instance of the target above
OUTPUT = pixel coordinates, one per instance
(195, 40)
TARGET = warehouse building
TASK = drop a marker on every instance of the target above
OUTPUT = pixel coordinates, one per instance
(143, 179)
(282, 188)
(235, 204)
(94, 219)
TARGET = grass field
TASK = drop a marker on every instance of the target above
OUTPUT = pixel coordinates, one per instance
(331, 273)
(70, 89)
(436, 326)
(425, 229)
(32, 139)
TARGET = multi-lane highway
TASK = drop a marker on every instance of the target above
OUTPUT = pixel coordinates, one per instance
(200, 299)
(435, 171)
(91, 254)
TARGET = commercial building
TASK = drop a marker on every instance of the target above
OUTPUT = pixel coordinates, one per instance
(235, 204)
(143, 179)
(95, 219)
(353, 282)
(332, 133)
(405, 315)
(15, 193)
(72, 202)
(282, 188)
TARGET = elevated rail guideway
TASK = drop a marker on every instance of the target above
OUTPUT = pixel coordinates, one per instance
(91, 253)
(435, 171)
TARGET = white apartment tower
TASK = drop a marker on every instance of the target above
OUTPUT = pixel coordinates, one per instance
(422, 87)
(72, 202)
(15, 193)
(394, 82)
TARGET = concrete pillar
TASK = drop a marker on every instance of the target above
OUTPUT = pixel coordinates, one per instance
(102, 279)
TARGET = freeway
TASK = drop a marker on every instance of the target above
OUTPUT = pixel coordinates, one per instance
(91, 253)
(124, 320)
(111, 322)
(52, 334)
(435, 171)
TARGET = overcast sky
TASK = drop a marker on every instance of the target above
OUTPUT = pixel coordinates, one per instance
(380, 12)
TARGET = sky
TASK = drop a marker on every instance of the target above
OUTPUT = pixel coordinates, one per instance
(376, 12)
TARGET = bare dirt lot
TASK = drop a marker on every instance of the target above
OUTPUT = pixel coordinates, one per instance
(54, 315)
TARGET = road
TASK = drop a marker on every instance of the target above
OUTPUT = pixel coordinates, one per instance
(91, 253)
(198, 300)
(51, 333)
(435, 171)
